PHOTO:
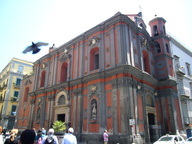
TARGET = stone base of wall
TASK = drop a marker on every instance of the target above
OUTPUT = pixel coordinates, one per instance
(98, 139)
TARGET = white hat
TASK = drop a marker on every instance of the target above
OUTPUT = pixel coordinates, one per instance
(51, 131)
(70, 130)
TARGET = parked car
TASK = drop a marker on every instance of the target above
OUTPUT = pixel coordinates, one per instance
(189, 140)
(170, 139)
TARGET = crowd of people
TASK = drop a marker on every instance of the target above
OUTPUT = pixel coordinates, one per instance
(31, 136)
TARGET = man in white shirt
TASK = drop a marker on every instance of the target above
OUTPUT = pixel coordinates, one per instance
(69, 138)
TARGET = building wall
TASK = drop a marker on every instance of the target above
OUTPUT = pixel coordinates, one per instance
(182, 63)
(12, 75)
(112, 82)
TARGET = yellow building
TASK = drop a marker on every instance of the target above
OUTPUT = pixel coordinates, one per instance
(10, 79)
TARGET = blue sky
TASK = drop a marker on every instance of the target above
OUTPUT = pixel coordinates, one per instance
(58, 21)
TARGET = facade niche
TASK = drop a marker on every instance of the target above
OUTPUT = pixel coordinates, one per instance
(93, 109)
(26, 94)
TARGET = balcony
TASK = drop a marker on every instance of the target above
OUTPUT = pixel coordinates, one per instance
(4, 86)
(16, 86)
(180, 70)
(14, 99)
(1, 99)
(184, 92)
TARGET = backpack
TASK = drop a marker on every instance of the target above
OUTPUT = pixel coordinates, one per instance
(39, 140)
(49, 140)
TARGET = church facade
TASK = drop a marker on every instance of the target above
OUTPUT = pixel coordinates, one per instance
(114, 76)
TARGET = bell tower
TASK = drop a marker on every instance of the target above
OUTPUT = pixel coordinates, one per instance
(162, 51)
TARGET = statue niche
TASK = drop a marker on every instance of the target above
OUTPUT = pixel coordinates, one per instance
(94, 109)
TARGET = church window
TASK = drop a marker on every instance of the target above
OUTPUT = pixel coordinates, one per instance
(61, 100)
(158, 48)
(149, 101)
(94, 59)
(146, 63)
(164, 30)
(167, 48)
(63, 77)
(155, 31)
(43, 79)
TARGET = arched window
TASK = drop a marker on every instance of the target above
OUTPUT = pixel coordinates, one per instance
(61, 100)
(94, 59)
(146, 63)
(155, 31)
(63, 77)
(164, 30)
(149, 101)
(42, 79)
(167, 48)
(94, 109)
(158, 48)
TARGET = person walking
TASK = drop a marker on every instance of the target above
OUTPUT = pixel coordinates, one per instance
(27, 137)
(13, 137)
(1, 136)
(69, 138)
(39, 136)
(50, 138)
(105, 137)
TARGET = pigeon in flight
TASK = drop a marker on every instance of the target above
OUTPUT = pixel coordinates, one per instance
(34, 47)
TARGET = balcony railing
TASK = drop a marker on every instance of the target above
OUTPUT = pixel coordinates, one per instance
(16, 86)
(184, 92)
(4, 85)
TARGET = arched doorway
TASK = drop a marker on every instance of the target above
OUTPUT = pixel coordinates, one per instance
(153, 127)
(61, 108)
(151, 117)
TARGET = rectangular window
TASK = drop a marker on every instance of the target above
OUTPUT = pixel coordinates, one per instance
(190, 89)
(176, 60)
(15, 97)
(18, 81)
(20, 69)
(13, 110)
(96, 61)
(188, 68)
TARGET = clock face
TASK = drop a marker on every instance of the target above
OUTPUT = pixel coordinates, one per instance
(160, 64)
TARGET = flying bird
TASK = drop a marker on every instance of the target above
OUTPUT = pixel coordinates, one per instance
(34, 47)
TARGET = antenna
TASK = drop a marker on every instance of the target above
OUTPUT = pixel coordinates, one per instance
(140, 8)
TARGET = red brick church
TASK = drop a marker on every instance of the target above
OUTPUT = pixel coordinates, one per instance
(114, 76)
